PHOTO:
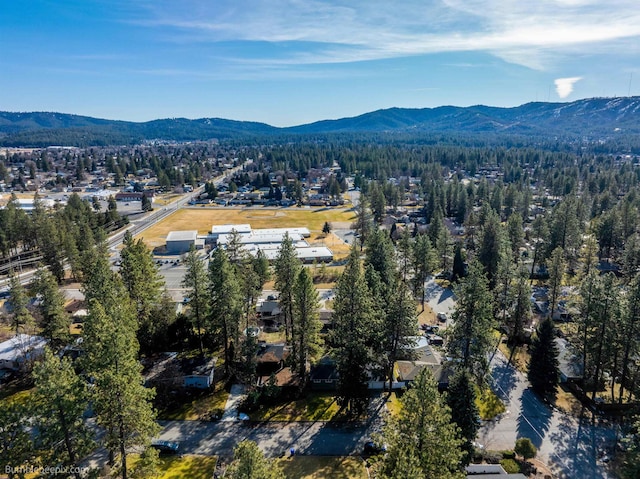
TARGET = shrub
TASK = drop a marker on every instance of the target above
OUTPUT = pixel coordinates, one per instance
(511, 466)
(525, 448)
(492, 457)
(508, 454)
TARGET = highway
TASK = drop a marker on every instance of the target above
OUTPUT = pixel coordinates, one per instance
(139, 225)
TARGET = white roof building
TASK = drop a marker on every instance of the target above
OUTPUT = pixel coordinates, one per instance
(20, 349)
(217, 230)
(179, 242)
(254, 238)
(307, 254)
(304, 232)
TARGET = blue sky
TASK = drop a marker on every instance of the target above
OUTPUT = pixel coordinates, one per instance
(288, 62)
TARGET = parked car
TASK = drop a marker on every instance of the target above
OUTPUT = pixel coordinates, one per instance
(442, 317)
(371, 448)
(166, 447)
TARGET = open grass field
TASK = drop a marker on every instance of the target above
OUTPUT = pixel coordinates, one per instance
(202, 220)
(314, 467)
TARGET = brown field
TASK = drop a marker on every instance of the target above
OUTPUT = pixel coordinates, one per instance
(202, 220)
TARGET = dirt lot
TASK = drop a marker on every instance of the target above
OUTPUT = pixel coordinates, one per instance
(202, 220)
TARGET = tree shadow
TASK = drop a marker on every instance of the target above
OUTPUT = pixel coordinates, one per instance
(445, 294)
(580, 444)
(534, 419)
(505, 378)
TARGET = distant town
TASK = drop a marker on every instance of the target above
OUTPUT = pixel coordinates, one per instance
(319, 309)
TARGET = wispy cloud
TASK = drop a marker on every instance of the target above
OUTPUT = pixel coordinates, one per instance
(526, 33)
(564, 86)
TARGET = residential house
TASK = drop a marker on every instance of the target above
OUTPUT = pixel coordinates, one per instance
(569, 363)
(419, 356)
(198, 372)
(16, 353)
(324, 375)
(271, 359)
(490, 471)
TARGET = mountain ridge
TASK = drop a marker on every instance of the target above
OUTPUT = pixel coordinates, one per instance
(591, 117)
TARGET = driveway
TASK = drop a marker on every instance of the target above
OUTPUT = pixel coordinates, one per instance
(571, 446)
(441, 300)
(236, 396)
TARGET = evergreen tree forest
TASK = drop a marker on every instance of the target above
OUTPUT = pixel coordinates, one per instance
(540, 244)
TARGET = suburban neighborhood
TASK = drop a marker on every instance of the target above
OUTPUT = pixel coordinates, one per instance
(310, 313)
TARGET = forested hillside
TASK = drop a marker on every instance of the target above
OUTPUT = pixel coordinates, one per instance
(595, 120)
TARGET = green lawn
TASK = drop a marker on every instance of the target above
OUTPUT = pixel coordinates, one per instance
(314, 467)
(13, 393)
(201, 407)
(314, 407)
(393, 404)
(489, 404)
(176, 467)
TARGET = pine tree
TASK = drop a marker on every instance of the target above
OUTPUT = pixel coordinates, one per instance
(16, 445)
(525, 448)
(146, 203)
(399, 325)
(458, 270)
(143, 283)
(249, 463)
(630, 331)
(461, 397)
(443, 246)
(557, 266)
(55, 319)
(196, 283)
(121, 402)
(354, 326)
(62, 399)
(261, 267)
(489, 251)
(543, 364)
(225, 304)
(306, 323)
(364, 221)
(235, 248)
(287, 267)
(520, 313)
(378, 202)
(381, 257)
(515, 234)
(422, 441)
(21, 319)
(405, 253)
(98, 281)
(423, 265)
(470, 339)
(249, 283)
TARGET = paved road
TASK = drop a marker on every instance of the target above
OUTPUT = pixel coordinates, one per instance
(140, 224)
(571, 446)
(275, 438)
